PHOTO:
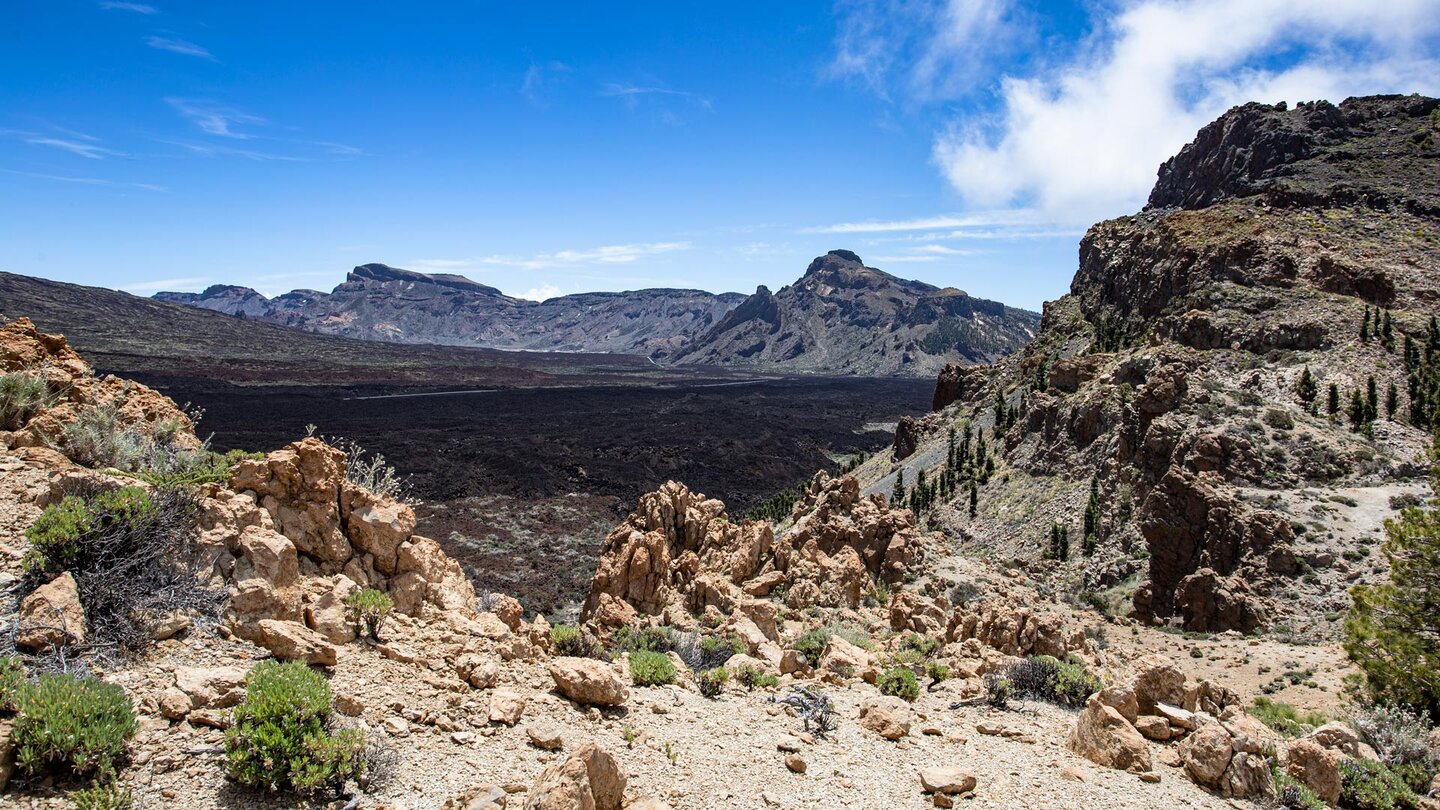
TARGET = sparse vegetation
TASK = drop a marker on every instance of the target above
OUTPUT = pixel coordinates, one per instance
(1285, 719)
(815, 708)
(752, 678)
(130, 554)
(651, 668)
(104, 796)
(22, 395)
(1043, 677)
(1369, 785)
(280, 740)
(900, 682)
(77, 725)
(368, 609)
(712, 682)
(812, 645)
(1402, 739)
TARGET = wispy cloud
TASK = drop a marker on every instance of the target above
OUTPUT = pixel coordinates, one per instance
(540, 79)
(85, 181)
(85, 150)
(168, 284)
(668, 106)
(215, 119)
(179, 46)
(138, 8)
(209, 150)
(603, 255)
(925, 49)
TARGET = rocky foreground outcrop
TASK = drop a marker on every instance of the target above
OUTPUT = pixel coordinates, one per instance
(679, 554)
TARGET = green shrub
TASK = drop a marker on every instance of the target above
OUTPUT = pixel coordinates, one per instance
(712, 682)
(368, 609)
(900, 682)
(1292, 795)
(78, 724)
(1369, 785)
(752, 678)
(716, 650)
(104, 796)
(924, 645)
(997, 690)
(100, 437)
(651, 668)
(878, 595)
(812, 645)
(195, 469)
(12, 679)
(279, 739)
(646, 639)
(22, 395)
(566, 640)
(1042, 677)
(936, 672)
(130, 552)
(1285, 719)
(1402, 738)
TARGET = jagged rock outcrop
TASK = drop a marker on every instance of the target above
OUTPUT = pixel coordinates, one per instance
(72, 389)
(680, 550)
(843, 317)
(1170, 371)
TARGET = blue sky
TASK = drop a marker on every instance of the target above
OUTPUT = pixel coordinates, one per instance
(547, 147)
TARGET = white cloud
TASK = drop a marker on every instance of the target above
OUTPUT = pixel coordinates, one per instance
(179, 46)
(540, 293)
(1082, 141)
(188, 284)
(85, 181)
(603, 256)
(979, 219)
(214, 119)
(539, 79)
(138, 8)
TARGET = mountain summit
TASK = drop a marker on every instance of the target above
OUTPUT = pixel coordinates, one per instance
(845, 317)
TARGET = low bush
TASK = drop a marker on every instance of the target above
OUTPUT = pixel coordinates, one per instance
(132, 556)
(368, 609)
(79, 725)
(12, 678)
(752, 678)
(900, 682)
(712, 682)
(566, 640)
(104, 796)
(651, 668)
(646, 639)
(1042, 677)
(716, 650)
(812, 645)
(924, 645)
(22, 395)
(100, 437)
(279, 740)
(1369, 785)
(1285, 719)
(997, 690)
(1402, 738)
(936, 672)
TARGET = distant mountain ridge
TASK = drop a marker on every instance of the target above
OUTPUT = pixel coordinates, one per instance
(841, 317)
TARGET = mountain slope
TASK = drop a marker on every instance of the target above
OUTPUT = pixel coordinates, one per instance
(1281, 244)
(378, 302)
(843, 317)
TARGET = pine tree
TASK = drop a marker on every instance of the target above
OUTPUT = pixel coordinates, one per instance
(974, 499)
(1042, 375)
(1387, 333)
(1307, 390)
(897, 498)
(1357, 410)
(1393, 630)
(1392, 402)
(1372, 400)
(1064, 544)
(1332, 401)
(1365, 327)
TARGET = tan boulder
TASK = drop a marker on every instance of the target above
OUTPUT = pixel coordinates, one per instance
(1121, 699)
(478, 797)
(589, 779)
(1206, 753)
(886, 715)
(1341, 737)
(1248, 777)
(947, 779)
(52, 616)
(546, 737)
(1157, 680)
(173, 703)
(587, 681)
(300, 485)
(1152, 727)
(477, 670)
(377, 525)
(427, 575)
(843, 658)
(506, 707)
(507, 609)
(1103, 736)
(211, 687)
(292, 641)
(328, 614)
(1315, 767)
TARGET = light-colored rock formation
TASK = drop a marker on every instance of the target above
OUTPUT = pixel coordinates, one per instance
(51, 616)
(589, 779)
(587, 681)
(888, 716)
(1103, 736)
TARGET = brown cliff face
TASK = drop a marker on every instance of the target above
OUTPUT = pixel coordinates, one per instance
(1170, 371)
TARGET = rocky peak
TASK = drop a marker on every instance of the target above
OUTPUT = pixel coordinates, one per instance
(1315, 150)
(385, 273)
